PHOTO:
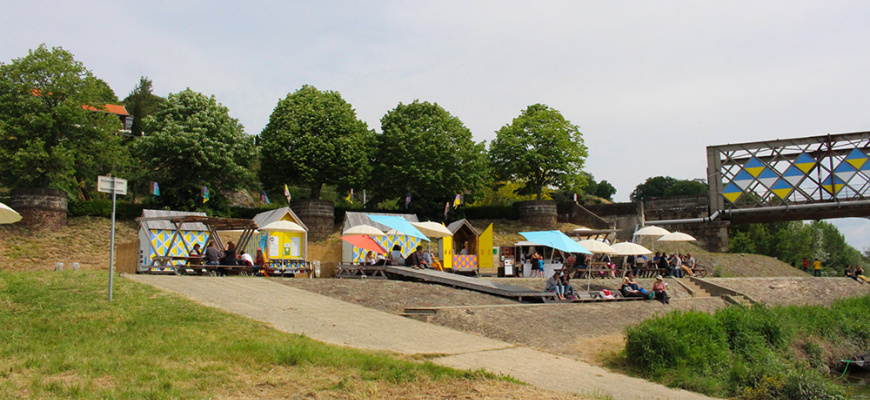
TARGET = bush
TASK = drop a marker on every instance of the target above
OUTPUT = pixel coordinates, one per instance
(488, 212)
(103, 208)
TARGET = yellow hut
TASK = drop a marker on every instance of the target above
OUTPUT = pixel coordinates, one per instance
(284, 246)
(467, 251)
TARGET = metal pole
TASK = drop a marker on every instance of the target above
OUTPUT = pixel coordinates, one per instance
(112, 245)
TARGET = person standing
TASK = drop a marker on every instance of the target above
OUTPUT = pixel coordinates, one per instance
(817, 268)
(805, 265)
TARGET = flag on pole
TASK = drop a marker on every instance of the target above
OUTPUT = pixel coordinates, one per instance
(575, 197)
(349, 197)
(457, 200)
(155, 190)
(407, 200)
(446, 209)
(204, 194)
(287, 193)
(263, 197)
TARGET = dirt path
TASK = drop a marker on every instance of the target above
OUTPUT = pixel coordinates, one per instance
(338, 322)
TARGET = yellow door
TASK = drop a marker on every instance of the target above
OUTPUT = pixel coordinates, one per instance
(447, 257)
(484, 250)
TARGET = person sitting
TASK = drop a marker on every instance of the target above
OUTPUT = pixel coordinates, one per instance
(436, 264)
(420, 257)
(369, 259)
(195, 252)
(380, 260)
(246, 260)
(260, 261)
(229, 258)
(554, 284)
(212, 254)
(859, 273)
(659, 292)
(848, 272)
(396, 256)
(565, 280)
(628, 290)
(688, 265)
(608, 263)
(664, 265)
(427, 257)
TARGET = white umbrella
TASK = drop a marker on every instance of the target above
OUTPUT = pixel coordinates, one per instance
(677, 237)
(629, 249)
(8, 215)
(283, 226)
(651, 231)
(596, 246)
(363, 230)
(433, 229)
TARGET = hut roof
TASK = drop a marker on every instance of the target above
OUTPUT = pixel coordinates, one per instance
(165, 224)
(361, 218)
(268, 217)
(456, 225)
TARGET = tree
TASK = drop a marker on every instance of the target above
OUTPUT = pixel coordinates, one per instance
(540, 148)
(141, 103)
(430, 153)
(659, 187)
(193, 142)
(314, 138)
(47, 138)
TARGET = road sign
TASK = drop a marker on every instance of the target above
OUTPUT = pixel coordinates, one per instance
(105, 184)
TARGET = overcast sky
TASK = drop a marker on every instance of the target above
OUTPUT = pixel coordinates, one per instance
(650, 84)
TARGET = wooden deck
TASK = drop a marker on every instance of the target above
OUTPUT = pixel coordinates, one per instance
(469, 283)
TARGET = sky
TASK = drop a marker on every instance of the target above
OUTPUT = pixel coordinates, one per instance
(650, 84)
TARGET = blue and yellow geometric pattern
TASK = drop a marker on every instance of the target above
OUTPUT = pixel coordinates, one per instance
(464, 262)
(754, 167)
(407, 243)
(857, 158)
(782, 189)
(832, 184)
(160, 242)
(805, 163)
(732, 192)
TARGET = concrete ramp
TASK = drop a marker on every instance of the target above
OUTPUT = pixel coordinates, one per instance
(469, 283)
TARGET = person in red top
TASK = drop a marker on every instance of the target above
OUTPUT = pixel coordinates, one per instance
(806, 264)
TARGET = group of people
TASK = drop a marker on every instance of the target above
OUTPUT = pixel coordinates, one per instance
(630, 288)
(227, 257)
(677, 264)
(856, 274)
(418, 259)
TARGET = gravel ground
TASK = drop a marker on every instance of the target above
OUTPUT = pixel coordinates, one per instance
(581, 330)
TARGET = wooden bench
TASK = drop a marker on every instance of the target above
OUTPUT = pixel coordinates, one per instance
(357, 271)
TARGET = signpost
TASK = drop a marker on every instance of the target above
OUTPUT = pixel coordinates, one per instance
(115, 186)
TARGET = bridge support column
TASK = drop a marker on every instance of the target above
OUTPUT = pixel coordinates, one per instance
(712, 236)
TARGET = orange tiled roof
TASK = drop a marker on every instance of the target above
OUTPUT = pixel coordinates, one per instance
(112, 108)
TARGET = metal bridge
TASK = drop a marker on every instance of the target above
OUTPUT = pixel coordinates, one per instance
(809, 178)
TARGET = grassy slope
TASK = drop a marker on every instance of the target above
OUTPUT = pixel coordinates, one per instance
(63, 339)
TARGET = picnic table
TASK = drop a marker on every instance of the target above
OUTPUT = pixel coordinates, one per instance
(284, 267)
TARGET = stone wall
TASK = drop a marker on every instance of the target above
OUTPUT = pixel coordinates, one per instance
(40, 208)
(317, 215)
(676, 208)
(571, 212)
(624, 217)
(541, 213)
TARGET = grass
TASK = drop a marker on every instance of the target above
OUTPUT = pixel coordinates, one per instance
(61, 338)
(751, 353)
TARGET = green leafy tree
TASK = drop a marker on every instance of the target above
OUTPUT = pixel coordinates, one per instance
(430, 153)
(47, 138)
(193, 142)
(141, 103)
(659, 187)
(539, 148)
(313, 139)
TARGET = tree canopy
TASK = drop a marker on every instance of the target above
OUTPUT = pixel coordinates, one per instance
(314, 138)
(193, 142)
(428, 152)
(666, 186)
(47, 137)
(539, 148)
(141, 103)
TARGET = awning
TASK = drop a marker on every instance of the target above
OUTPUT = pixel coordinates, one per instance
(556, 240)
(365, 242)
(400, 224)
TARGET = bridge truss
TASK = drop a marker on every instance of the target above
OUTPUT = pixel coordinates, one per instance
(793, 179)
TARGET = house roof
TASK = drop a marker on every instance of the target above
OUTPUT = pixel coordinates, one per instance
(164, 224)
(111, 108)
(456, 225)
(361, 218)
(268, 217)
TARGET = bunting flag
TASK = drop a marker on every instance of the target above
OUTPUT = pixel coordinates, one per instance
(204, 194)
(155, 190)
(349, 197)
(287, 193)
(407, 200)
(263, 197)
(446, 209)
(457, 201)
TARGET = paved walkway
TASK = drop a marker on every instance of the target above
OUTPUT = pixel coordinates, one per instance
(337, 322)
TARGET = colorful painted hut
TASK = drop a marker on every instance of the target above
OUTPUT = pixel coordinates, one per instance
(351, 254)
(157, 237)
(467, 250)
(284, 246)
